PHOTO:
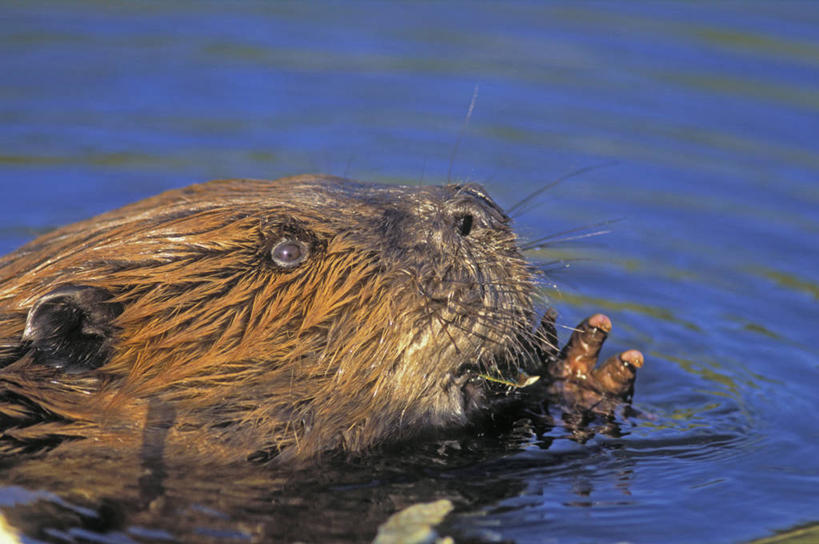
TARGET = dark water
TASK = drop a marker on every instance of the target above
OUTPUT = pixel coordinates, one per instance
(711, 113)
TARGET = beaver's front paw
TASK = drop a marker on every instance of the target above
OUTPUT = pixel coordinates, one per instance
(576, 378)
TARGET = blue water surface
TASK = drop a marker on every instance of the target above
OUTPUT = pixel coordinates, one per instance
(708, 114)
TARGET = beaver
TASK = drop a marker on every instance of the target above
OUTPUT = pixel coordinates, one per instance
(273, 319)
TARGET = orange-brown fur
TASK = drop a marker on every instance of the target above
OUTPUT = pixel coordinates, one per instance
(363, 342)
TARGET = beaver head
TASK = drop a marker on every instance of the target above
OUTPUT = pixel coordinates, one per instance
(290, 316)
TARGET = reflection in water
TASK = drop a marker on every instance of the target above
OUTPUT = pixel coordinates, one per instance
(140, 494)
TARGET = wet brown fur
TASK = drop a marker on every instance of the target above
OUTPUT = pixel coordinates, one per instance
(366, 341)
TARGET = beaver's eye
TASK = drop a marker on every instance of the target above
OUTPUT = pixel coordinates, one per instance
(289, 253)
(464, 224)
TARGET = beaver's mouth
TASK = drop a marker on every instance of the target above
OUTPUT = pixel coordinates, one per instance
(481, 382)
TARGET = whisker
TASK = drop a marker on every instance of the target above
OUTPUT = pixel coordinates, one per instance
(581, 228)
(552, 243)
(476, 339)
(423, 173)
(487, 321)
(527, 199)
(480, 312)
(461, 133)
(445, 327)
(470, 281)
(567, 327)
(557, 265)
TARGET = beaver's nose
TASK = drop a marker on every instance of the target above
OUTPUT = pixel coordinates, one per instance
(463, 223)
(470, 208)
(437, 220)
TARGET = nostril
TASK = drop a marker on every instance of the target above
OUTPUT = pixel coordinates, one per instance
(464, 224)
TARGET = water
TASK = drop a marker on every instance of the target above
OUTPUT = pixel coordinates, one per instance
(711, 114)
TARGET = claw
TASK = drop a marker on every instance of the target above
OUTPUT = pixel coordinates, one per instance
(580, 354)
(616, 375)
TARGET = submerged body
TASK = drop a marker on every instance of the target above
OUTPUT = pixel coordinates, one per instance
(264, 318)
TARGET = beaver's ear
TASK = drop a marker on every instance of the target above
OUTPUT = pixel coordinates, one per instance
(72, 328)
